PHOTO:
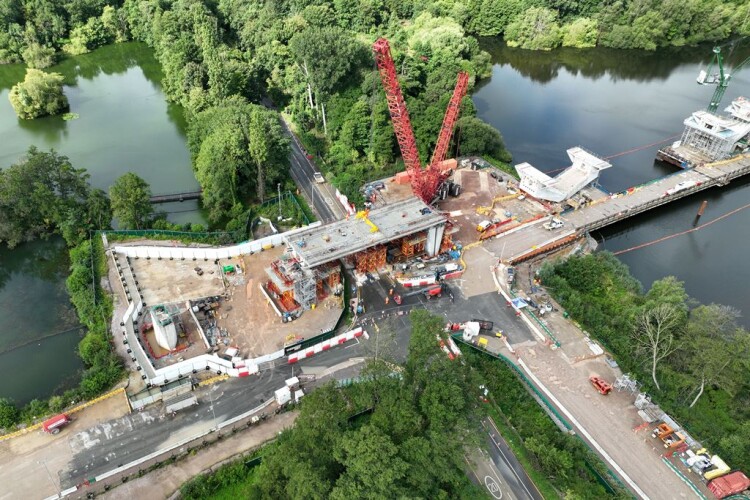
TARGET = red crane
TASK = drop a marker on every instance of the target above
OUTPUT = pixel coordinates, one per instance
(424, 183)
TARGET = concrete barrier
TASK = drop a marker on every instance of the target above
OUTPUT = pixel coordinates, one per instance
(327, 344)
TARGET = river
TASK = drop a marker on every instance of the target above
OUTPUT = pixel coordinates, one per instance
(124, 125)
(610, 102)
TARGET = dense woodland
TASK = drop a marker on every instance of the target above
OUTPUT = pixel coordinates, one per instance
(693, 359)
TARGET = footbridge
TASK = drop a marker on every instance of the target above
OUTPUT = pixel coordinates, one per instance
(532, 239)
(166, 198)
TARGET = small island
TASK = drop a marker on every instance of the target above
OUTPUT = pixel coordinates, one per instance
(39, 94)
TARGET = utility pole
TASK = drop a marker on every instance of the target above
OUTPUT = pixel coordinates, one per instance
(54, 485)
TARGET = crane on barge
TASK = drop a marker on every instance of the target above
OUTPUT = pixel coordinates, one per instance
(717, 75)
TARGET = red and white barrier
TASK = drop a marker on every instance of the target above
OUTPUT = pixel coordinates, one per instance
(327, 344)
(421, 281)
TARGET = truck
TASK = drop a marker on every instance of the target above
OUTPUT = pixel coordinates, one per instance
(54, 424)
(728, 485)
(553, 223)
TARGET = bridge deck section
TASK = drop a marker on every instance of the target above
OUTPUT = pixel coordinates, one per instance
(520, 243)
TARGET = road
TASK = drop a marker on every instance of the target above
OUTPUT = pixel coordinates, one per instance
(498, 470)
(321, 196)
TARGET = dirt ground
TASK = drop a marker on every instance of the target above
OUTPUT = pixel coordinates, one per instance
(480, 189)
(253, 325)
(23, 459)
(162, 483)
(611, 419)
(168, 281)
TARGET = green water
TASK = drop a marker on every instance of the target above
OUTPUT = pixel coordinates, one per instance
(124, 125)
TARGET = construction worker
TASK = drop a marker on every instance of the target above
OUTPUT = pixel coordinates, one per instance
(387, 300)
(390, 292)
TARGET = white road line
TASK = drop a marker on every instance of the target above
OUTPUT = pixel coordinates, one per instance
(509, 464)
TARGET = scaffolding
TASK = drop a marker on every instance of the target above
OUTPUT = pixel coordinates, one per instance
(626, 383)
(305, 289)
(411, 246)
(713, 135)
(371, 259)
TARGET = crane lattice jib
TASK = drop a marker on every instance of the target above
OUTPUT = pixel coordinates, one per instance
(399, 114)
(722, 78)
(433, 176)
(449, 120)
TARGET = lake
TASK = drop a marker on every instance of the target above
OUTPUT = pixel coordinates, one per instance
(124, 125)
(610, 102)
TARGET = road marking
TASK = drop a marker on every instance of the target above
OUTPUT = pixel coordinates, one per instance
(493, 487)
(510, 466)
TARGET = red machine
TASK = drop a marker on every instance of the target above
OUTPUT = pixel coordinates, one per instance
(728, 485)
(54, 424)
(600, 385)
(424, 183)
(434, 291)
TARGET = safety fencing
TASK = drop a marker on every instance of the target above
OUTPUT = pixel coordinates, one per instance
(549, 408)
(184, 253)
(207, 362)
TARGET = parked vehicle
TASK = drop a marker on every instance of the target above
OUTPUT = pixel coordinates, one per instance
(553, 223)
(728, 485)
(484, 324)
(54, 424)
(511, 275)
(319, 177)
(482, 226)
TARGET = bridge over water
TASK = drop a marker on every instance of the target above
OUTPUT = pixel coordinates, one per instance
(166, 198)
(531, 239)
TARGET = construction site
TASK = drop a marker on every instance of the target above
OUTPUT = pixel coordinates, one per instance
(236, 308)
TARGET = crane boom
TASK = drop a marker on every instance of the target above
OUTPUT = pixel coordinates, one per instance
(424, 183)
(434, 176)
(721, 79)
(399, 114)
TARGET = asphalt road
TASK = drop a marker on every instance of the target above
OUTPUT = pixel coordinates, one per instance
(322, 197)
(116, 442)
(499, 470)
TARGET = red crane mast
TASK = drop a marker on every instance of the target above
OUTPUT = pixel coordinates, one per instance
(424, 183)
(399, 114)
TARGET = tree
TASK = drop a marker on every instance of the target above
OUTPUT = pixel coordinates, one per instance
(655, 334)
(38, 56)
(229, 143)
(325, 56)
(8, 413)
(537, 29)
(479, 138)
(373, 467)
(718, 350)
(581, 33)
(130, 197)
(38, 194)
(40, 94)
